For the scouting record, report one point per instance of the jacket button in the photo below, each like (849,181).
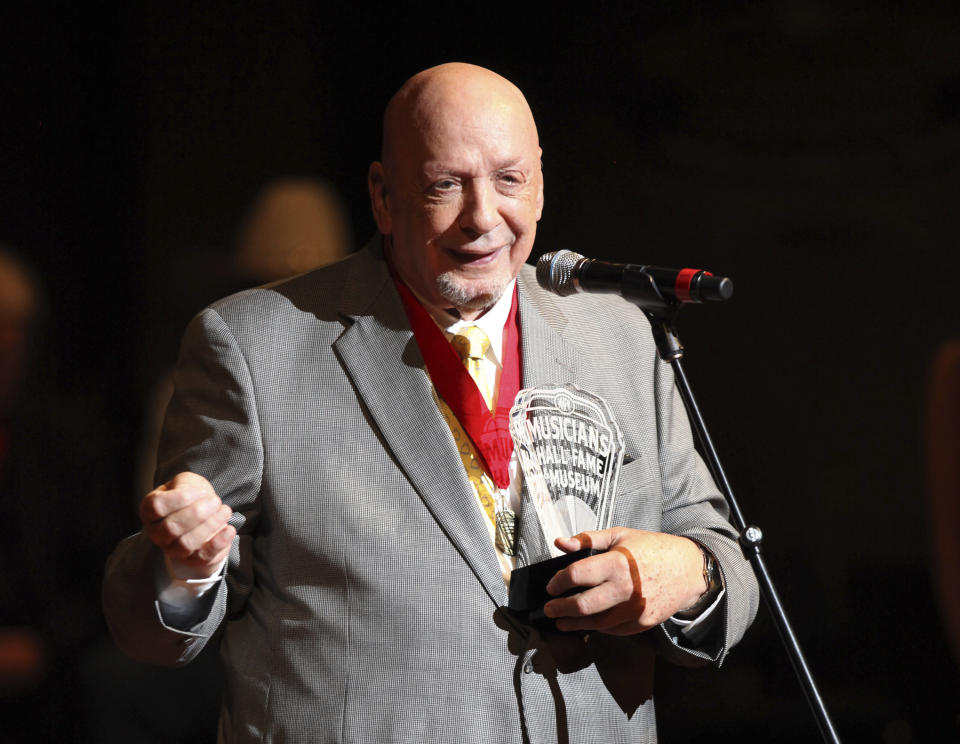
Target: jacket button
(527,668)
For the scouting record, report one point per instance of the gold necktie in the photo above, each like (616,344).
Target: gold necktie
(471,343)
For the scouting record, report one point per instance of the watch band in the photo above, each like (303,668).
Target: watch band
(711,575)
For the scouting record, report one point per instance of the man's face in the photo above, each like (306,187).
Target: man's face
(463,194)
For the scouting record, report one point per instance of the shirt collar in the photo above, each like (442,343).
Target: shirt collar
(491,322)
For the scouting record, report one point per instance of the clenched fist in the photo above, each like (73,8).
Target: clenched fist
(187,521)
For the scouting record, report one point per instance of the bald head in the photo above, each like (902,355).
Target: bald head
(459,189)
(453,92)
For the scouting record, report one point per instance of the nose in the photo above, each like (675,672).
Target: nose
(480,213)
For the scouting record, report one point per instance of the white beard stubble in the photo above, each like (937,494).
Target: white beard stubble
(473,295)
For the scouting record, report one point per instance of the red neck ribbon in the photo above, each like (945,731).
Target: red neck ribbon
(490,432)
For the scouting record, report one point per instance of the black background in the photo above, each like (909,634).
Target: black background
(807,149)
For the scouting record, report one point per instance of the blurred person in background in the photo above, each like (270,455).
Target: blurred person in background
(293,225)
(943,471)
(56,529)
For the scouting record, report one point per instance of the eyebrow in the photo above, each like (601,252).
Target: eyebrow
(432,168)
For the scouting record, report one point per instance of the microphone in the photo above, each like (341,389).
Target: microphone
(566,273)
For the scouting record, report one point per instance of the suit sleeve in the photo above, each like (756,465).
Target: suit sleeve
(211,428)
(694,507)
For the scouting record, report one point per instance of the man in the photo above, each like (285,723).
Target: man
(363,593)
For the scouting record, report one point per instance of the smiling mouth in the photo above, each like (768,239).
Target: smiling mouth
(476,258)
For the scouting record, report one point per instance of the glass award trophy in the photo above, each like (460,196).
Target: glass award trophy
(570,450)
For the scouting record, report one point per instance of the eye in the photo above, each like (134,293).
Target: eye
(510,179)
(444,185)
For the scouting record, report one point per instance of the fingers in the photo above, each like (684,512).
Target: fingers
(623,619)
(590,602)
(187,520)
(586,572)
(612,601)
(177,493)
(181,524)
(202,563)
(606,578)
(642,579)
(220,544)
(191,541)
(212,551)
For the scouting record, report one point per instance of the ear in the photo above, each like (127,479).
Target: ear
(376,185)
(539,201)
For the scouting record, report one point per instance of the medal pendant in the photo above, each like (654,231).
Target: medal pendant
(506,531)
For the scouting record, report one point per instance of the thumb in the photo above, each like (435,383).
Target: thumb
(187,480)
(596,539)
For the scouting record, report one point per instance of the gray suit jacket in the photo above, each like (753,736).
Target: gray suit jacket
(363,599)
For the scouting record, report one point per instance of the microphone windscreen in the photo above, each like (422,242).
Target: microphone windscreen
(556,272)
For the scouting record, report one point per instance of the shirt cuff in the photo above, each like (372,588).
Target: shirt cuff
(174,592)
(695,629)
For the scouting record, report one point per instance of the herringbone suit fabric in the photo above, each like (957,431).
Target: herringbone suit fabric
(362,595)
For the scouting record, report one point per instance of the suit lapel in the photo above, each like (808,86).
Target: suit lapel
(547,358)
(384,363)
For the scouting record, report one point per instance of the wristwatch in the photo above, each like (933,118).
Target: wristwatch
(711,575)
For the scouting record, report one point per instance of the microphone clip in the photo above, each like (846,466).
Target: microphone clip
(640,288)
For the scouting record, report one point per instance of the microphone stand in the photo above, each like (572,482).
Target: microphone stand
(641,289)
